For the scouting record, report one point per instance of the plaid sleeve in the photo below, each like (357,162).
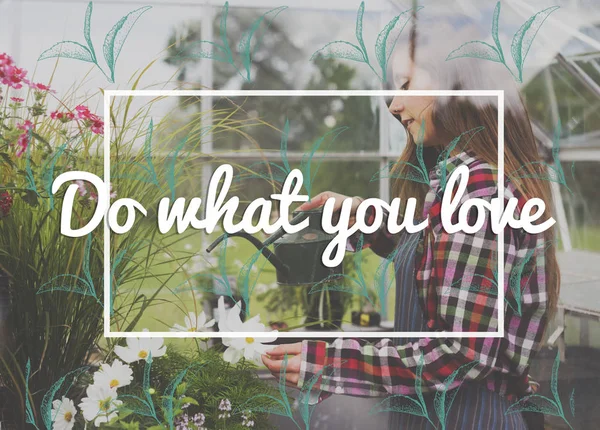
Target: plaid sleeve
(381,242)
(456,283)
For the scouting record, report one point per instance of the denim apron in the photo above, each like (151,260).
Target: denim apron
(474,407)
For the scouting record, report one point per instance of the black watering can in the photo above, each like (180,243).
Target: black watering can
(297,256)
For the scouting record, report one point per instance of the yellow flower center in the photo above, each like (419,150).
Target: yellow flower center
(104,405)
(114,383)
(249,340)
(143,354)
(192,329)
(68,417)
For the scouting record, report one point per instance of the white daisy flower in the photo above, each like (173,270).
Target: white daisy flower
(249,347)
(100,405)
(194,322)
(113,376)
(141,348)
(63,414)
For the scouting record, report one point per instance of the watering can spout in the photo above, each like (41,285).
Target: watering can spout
(266,252)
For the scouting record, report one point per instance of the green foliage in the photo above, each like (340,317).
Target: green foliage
(544,171)
(384,46)
(541,404)
(222,51)
(113,42)
(520,45)
(442,401)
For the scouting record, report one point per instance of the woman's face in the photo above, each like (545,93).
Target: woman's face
(414,111)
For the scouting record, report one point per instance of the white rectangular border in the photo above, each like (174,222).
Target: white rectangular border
(285,93)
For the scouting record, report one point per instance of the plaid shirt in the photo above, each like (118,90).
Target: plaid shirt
(455,276)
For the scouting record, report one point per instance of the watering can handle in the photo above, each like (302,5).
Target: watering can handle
(279,233)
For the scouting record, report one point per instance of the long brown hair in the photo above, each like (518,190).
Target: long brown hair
(455,115)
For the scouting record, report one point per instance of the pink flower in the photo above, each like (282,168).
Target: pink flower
(24,138)
(94,195)
(97,127)
(93,121)
(6,201)
(17,99)
(82,188)
(83,112)
(12,76)
(40,87)
(62,116)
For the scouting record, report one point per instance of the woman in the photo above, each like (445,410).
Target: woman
(445,282)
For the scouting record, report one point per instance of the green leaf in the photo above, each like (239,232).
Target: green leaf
(476,49)
(359,30)
(572,402)
(523,38)
(495,31)
(283,147)
(68,49)
(201,50)
(254,405)
(46,406)
(116,37)
(388,37)
(245,48)
(401,404)
(445,154)
(87,25)
(29,417)
(341,49)
(444,398)
(223,32)
(534,403)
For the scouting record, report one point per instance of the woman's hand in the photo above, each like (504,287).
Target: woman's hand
(320,199)
(274,362)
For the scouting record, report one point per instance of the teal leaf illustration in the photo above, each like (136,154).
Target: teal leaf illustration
(540,404)
(68,49)
(309,169)
(382,283)
(523,38)
(171,161)
(137,405)
(406,170)
(87,30)
(307,159)
(168,399)
(46,406)
(223,32)
(74,283)
(341,49)
(544,171)
(444,398)
(29,417)
(534,403)
(113,42)
(445,154)
(116,37)
(219,285)
(28,171)
(384,46)
(245,284)
(138,171)
(520,45)
(495,31)
(407,404)
(273,405)
(306,409)
(48,172)
(572,402)
(388,37)
(245,43)
(476,49)
(359,30)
